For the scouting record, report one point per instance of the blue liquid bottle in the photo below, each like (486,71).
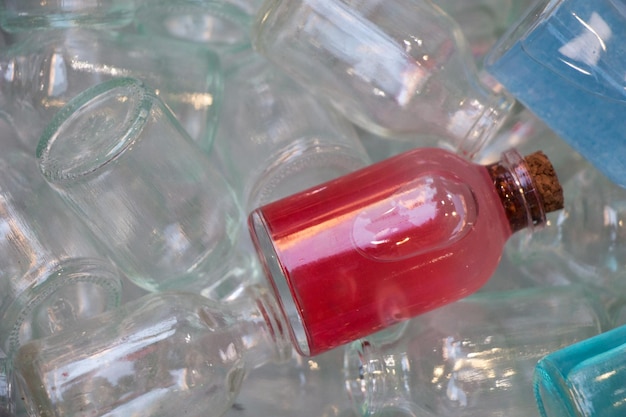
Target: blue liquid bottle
(586,379)
(566,62)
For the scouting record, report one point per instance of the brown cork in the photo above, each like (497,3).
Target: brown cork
(545,180)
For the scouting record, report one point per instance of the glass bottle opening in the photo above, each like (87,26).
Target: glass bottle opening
(93,129)
(76,289)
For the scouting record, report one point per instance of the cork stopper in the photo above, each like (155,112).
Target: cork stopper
(546,181)
(528,188)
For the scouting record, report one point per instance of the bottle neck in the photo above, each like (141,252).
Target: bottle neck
(372,378)
(271,341)
(518,193)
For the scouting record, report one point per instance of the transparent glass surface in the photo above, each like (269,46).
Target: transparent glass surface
(122,161)
(163,354)
(395,68)
(565,62)
(43,71)
(222,26)
(28,15)
(585,379)
(483,22)
(585,242)
(52,273)
(276,139)
(303,387)
(474,357)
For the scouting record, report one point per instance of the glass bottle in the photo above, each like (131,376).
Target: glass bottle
(123,163)
(52,272)
(398,69)
(276,139)
(42,72)
(27,15)
(483,22)
(583,243)
(565,62)
(166,354)
(396,239)
(475,357)
(586,379)
(222,26)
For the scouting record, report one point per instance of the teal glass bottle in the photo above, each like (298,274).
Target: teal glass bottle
(586,379)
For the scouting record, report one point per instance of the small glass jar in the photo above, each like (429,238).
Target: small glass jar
(119,157)
(398,69)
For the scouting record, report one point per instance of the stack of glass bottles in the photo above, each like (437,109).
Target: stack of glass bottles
(314,208)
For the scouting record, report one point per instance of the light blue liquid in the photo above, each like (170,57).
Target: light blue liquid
(585,379)
(568,66)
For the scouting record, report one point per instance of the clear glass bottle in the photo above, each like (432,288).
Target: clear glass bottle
(483,22)
(222,26)
(396,239)
(27,15)
(164,354)
(164,212)
(585,242)
(565,62)
(475,357)
(43,71)
(399,69)
(586,379)
(276,139)
(52,271)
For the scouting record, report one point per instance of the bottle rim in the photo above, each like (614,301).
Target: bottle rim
(58,150)
(67,273)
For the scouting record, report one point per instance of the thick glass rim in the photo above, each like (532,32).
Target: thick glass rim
(133,125)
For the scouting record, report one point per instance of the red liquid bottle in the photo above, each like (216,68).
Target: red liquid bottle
(386,243)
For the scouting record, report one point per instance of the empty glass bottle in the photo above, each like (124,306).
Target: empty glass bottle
(396,68)
(276,139)
(484,21)
(122,161)
(161,355)
(44,71)
(28,15)
(585,242)
(475,357)
(220,25)
(51,271)
(388,242)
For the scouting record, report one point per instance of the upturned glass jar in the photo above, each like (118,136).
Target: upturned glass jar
(122,161)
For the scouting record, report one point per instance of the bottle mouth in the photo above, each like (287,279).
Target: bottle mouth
(74,290)
(93,129)
(493,116)
(527,191)
(276,276)
(363,376)
(551,393)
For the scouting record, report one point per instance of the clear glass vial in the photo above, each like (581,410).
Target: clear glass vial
(164,354)
(396,68)
(475,357)
(276,139)
(122,161)
(44,70)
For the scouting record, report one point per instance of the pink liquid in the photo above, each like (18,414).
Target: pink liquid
(386,243)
